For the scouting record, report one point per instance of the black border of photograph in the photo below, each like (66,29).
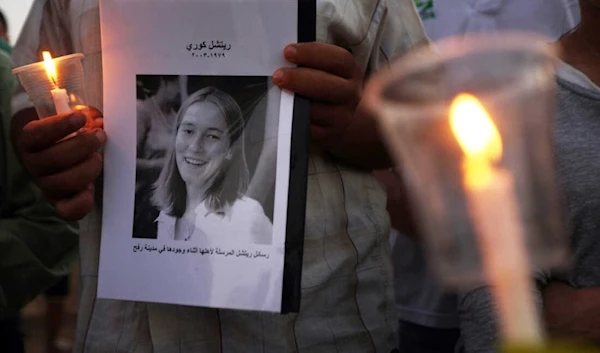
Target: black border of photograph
(294,244)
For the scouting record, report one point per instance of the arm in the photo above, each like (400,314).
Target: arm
(361,144)
(478,318)
(398,205)
(572,313)
(64,170)
(36,250)
(36,247)
(478,324)
(333,78)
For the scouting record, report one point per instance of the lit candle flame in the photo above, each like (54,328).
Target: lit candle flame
(478,137)
(50,67)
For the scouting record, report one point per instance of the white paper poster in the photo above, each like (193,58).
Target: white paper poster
(198,135)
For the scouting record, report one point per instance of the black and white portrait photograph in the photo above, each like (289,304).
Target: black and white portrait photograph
(204,186)
(206,158)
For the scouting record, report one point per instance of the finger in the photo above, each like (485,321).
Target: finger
(76,207)
(94,113)
(65,154)
(330,115)
(22,118)
(73,180)
(324,57)
(323,136)
(317,85)
(98,123)
(39,134)
(318,133)
(92,125)
(94,116)
(89,111)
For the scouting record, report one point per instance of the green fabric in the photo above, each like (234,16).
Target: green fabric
(36,247)
(426,9)
(4,46)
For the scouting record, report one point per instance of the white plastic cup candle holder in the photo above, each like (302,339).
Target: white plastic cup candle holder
(469,123)
(61,94)
(513,76)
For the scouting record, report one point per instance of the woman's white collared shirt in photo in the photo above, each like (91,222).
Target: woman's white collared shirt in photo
(244,222)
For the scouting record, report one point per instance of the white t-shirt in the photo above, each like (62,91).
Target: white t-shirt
(244,222)
(573,75)
(420,297)
(552,18)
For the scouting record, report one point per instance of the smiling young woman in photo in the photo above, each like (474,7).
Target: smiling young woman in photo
(201,189)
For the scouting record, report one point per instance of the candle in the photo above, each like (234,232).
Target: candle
(59,95)
(493,209)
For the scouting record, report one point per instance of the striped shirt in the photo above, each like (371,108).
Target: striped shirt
(347,289)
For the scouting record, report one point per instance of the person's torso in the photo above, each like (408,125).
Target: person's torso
(347,295)
(578,171)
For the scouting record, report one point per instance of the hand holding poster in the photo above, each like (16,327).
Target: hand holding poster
(205,168)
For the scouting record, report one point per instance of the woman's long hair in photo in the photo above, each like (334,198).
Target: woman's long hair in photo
(233,177)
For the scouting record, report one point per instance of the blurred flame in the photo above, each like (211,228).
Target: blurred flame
(478,137)
(50,67)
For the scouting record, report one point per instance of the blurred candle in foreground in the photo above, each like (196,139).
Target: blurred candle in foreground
(59,95)
(493,210)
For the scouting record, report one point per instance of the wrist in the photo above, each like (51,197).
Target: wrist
(18,122)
